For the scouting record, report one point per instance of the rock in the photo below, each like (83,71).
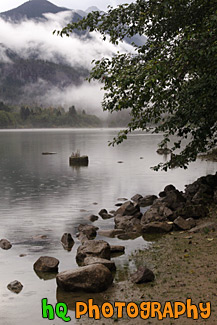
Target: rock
(107,216)
(67,241)
(117,248)
(156,227)
(147,200)
(5,244)
(169,188)
(157,212)
(190,210)
(87,231)
(102,211)
(208,226)
(142,275)
(128,208)
(118,204)
(90,278)
(215,197)
(111,233)
(46,264)
(173,199)
(97,260)
(93,217)
(136,198)
(22,255)
(128,223)
(164,151)
(15,286)
(93,248)
(122,199)
(184,224)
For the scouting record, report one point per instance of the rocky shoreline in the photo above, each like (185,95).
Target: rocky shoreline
(172,212)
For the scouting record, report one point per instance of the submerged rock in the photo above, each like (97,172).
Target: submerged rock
(90,278)
(46,264)
(15,286)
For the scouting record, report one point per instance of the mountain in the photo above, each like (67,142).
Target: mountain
(32,9)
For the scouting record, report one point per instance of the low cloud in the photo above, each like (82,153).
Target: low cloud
(35,39)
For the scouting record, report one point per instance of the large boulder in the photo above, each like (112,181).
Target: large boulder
(156,228)
(46,264)
(91,278)
(93,248)
(5,244)
(97,260)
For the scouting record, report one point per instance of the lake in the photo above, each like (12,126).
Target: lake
(41,195)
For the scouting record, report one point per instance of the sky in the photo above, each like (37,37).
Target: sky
(71,4)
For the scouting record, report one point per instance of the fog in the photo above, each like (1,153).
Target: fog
(35,39)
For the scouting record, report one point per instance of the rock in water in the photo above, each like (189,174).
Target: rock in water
(94,248)
(46,264)
(142,275)
(5,244)
(91,278)
(15,286)
(67,240)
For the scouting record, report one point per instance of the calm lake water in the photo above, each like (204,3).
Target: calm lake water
(43,195)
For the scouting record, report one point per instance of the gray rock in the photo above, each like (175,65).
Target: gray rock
(90,278)
(142,275)
(156,228)
(67,240)
(46,264)
(5,244)
(93,248)
(97,260)
(15,286)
